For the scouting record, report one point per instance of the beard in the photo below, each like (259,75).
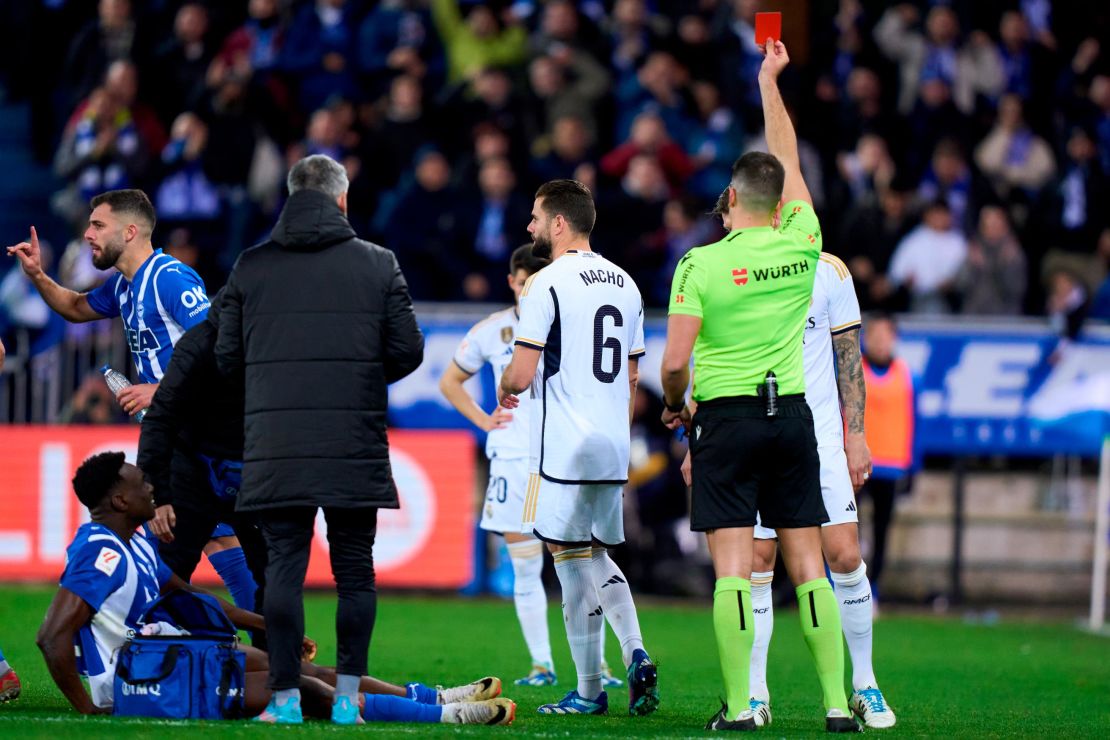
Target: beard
(541,246)
(109,254)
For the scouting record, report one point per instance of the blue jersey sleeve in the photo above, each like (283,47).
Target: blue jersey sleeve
(182,295)
(103,299)
(95,572)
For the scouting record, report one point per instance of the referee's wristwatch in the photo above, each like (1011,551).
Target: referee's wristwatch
(676,408)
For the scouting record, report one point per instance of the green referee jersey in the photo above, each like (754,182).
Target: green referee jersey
(751,290)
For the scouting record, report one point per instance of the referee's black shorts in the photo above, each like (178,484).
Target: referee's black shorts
(744,460)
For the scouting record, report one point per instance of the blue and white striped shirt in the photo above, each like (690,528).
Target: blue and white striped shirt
(118,581)
(164,300)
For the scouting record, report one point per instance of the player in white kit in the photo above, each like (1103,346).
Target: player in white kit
(835,394)
(491,341)
(583,316)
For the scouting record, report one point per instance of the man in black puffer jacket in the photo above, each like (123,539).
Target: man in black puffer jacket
(319,322)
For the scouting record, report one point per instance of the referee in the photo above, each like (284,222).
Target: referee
(740,306)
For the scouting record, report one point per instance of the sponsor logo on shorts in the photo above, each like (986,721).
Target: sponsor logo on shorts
(851,506)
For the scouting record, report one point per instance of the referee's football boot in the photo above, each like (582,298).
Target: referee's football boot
(573,703)
(720,721)
(839,721)
(541,675)
(643,685)
(288,713)
(761,710)
(870,706)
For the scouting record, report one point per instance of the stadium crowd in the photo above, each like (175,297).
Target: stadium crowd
(957,151)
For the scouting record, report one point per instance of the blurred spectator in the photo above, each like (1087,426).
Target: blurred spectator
(1073,212)
(494,225)
(971,71)
(563,29)
(570,149)
(567,83)
(734,31)
(685,226)
(927,262)
(634,32)
(21,307)
(256,45)
(108,38)
(949,179)
(934,119)
(630,214)
(474,39)
(871,230)
(649,138)
(714,144)
(1100,304)
(420,221)
(320,52)
(866,170)
(993,277)
(1100,99)
(101,152)
(121,82)
(658,87)
(397,38)
(863,110)
(93,403)
(182,62)
(1067,302)
(694,49)
(890,431)
(1012,156)
(489,142)
(489,98)
(404,125)
(1026,65)
(186,197)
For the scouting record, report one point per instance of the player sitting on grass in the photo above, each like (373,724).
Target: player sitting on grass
(112,575)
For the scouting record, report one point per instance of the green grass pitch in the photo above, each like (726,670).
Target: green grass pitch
(943,677)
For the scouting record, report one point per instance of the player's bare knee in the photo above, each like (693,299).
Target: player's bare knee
(764,555)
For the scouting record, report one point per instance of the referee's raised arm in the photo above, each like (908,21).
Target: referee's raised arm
(782,142)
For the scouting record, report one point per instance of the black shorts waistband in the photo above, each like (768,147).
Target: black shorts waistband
(790,399)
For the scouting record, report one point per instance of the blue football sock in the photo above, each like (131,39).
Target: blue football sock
(232,567)
(384,708)
(422,694)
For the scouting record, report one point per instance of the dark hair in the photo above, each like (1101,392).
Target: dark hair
(572,200)
(129,202)
(758,179)
(523,259)
(879,316)
(721,207)
(96,477)
(937,204)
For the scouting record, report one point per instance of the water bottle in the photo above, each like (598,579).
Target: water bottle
(771,394)
(117,381)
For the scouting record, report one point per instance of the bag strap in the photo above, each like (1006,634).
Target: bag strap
(169,662)
(231,707)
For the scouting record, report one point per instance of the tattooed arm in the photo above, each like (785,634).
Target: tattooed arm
(853,395)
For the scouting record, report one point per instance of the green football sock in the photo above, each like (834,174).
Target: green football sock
(820,619)
(735,630)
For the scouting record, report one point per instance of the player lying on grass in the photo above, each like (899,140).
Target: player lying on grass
(112,575)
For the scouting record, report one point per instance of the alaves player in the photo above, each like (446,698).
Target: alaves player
(113,574)
(159,299)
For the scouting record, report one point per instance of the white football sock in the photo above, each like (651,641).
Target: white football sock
(763,612)
(530,598)
(616,601)
(853,593)
(582,615)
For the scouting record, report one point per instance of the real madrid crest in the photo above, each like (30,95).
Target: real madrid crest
(139,310)
(506,334)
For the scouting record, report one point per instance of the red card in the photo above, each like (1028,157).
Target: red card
(767,25)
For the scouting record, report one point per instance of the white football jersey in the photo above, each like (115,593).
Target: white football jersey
(587,317)
(833,309)
(491,340)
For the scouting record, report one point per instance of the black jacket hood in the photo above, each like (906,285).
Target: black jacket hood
(311,221)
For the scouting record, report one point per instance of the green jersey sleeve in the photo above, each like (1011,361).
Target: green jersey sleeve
(799,220)
(688,286)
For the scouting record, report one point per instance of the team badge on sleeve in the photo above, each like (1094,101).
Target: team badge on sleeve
(107,561)
(506,334)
